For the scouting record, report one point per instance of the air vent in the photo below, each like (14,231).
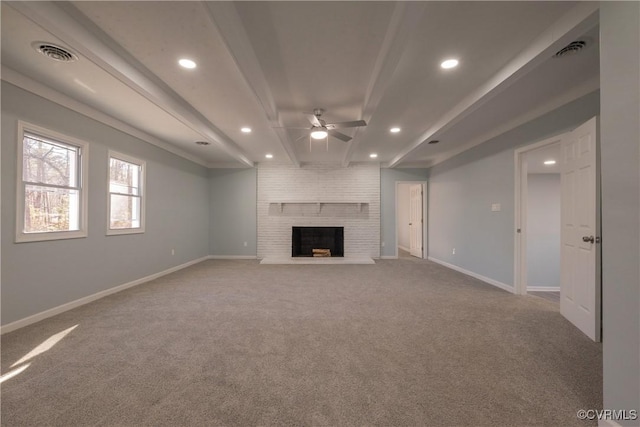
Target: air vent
(203,143)
(571,49)
(57,53)
(433,141)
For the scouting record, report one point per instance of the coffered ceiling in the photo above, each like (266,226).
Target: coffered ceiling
(263,65)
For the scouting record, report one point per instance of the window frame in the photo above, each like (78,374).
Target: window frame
(82,185)
(142,196)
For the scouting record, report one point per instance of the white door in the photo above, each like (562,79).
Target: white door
(415,220)
(580,281)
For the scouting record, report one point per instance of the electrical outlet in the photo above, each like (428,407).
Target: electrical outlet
(173,251)
(453,252)
(245,243)
(382,244)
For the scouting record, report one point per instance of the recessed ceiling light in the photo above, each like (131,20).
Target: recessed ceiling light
(549,162)
(449,63)
(187,63)
(203,143)
(319,134)
(373,155)
(394,130)
(246,130)
(269,156)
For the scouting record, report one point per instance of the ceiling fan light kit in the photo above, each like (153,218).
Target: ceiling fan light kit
(319,134)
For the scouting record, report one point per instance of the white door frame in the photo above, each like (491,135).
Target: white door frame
(520,235)
(425,197)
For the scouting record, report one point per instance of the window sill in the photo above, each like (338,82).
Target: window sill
(43,237)
(120,232)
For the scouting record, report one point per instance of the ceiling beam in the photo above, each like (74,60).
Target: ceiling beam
(574,23)
(30,85)
(554,103)
(405,18)
(65,22)
(225,18)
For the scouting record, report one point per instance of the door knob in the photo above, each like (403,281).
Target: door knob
(589,239)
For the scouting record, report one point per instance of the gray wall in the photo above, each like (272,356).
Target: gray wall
(620,158)
(460,216)
(388,179)
(543,230)
(233,212)
(462,190)
(37,276)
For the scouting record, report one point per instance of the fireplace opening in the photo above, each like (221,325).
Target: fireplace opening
(317,242)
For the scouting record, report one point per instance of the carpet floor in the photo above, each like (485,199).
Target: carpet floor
(400,343)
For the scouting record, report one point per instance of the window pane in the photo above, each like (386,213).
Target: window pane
(125,212)
(48,162)
(124,177)
(49,209)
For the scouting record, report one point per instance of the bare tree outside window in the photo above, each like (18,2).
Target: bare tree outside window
(51,185)
(125,198)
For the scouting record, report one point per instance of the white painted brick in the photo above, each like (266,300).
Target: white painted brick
(359,183)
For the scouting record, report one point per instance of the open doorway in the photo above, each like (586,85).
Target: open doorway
(411,224)
(543,196)
(538,220)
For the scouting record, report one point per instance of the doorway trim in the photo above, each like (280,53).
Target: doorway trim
(425,215)
(520,212)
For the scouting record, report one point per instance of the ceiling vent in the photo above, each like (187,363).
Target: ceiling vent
(203,143)
(57,53)
(572,48)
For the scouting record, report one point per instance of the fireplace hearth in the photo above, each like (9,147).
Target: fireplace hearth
(317,241)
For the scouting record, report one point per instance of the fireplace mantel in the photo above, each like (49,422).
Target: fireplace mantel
(319,205)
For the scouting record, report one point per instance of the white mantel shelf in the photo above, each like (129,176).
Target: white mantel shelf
(319,205)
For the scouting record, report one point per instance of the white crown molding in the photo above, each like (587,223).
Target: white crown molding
(228,165)
(575,22)
(13,77)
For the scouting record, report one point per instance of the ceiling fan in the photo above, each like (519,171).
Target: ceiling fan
(320,128)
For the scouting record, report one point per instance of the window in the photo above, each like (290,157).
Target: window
(52,178)
(126,194)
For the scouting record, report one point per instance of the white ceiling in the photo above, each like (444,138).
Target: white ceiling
(263,64)
(536,158)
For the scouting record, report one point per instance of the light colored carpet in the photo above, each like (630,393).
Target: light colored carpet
(403,342)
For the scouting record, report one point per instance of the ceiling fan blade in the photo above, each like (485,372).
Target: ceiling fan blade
(289,127)
(341,136)
(353,124)
(313,119)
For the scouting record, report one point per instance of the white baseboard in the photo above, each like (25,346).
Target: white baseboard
(232,257)
(388,257)
(543,289)
(488,280)
(85,300)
